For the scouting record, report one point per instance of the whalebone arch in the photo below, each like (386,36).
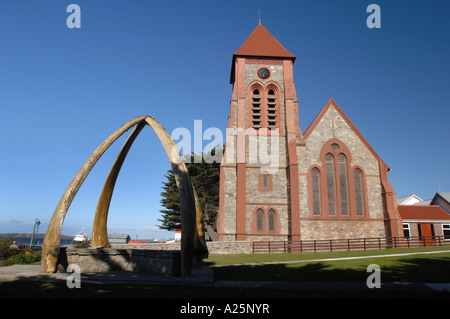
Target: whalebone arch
(192,236)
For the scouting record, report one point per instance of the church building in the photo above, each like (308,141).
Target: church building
(279,183)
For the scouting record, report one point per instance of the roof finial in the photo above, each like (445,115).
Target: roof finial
(259,15)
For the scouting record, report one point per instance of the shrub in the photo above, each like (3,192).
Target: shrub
(83,244)
(6,262)
(26,257)
(18,259)
(5,248)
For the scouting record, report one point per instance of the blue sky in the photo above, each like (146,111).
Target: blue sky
(63,91)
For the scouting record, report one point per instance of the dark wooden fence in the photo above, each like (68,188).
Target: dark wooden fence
(347,244)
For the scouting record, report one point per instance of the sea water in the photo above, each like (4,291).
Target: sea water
(37,241)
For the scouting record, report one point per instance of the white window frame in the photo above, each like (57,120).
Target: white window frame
(408,228)
(446,228)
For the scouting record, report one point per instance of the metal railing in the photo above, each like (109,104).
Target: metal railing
(347,244)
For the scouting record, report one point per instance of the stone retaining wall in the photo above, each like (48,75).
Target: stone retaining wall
(158,259)
(229,247)
(158,262)
(214,247)
(156,246)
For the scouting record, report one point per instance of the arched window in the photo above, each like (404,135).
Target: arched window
(259,220)
(343,188)
(271,110)
(256,110)
(271,220)
(265,181)
(346,193)
(329,165)
(359,191)
(315,176)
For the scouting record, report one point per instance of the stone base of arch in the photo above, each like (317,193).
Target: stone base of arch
(103,259)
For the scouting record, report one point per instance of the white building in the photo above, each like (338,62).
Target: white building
(409,200)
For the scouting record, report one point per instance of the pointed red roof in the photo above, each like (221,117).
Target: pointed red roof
(262,43)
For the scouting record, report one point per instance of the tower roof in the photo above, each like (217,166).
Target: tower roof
(262,43)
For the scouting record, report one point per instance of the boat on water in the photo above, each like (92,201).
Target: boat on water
(81,237)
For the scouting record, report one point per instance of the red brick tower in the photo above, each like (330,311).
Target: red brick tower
(259,195)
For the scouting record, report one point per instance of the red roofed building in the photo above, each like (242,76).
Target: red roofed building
(424,220)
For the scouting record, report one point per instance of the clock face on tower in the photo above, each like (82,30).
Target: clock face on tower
(263,73)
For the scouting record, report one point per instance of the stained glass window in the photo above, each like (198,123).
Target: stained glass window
(329,161)
(343,189)
(271,220)
(265,183)
(315,175)
(259,220)
(359,192)
(335,147)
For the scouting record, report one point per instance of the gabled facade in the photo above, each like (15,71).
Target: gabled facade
(278,183)
(409,200)
(443,200)
(344,187)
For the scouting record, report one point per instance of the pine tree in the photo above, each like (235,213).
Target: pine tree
(171,216)
(204,172)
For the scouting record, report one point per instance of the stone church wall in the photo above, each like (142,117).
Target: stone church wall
(272,160)
(229,208)
(276,73)
(341,229)
(333,125)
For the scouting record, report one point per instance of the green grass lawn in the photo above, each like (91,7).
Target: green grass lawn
(229,259)
(413,268)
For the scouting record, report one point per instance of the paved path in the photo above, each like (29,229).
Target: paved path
(202,276)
